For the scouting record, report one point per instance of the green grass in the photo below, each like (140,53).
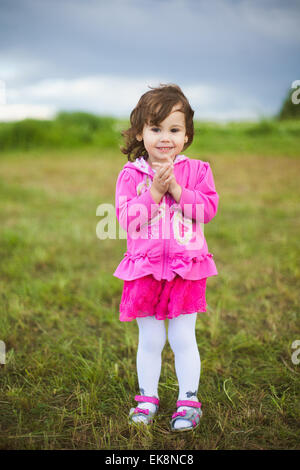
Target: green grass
(70,377)
(79,129)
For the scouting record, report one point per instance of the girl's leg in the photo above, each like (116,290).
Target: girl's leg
(182,339)
(152,338)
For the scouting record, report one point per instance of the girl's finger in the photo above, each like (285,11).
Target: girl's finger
(164,178)
(167,179)
(162,163)
(166,169)
(168,172)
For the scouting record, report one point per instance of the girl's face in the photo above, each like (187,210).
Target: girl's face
(166,140)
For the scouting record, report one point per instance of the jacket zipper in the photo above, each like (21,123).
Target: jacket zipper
(165,242)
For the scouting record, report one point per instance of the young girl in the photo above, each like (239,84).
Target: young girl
(163,198)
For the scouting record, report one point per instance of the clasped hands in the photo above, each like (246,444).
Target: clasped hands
(164,179)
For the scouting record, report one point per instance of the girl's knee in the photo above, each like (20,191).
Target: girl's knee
(153,342)
(181,337)
(178,342)
(183,345)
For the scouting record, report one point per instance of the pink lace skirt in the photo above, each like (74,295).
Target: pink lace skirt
(163,299)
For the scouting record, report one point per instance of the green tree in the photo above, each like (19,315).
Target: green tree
(290,110)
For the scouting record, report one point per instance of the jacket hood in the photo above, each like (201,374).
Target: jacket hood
(143,166)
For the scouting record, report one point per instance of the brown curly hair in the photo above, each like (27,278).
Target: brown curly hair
(153,107)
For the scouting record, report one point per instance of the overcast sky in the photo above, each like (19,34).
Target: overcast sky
(234,59)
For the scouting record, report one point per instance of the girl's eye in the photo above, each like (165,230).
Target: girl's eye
(156,129)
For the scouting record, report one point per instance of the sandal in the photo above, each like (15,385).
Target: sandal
(146,413)
(192,415)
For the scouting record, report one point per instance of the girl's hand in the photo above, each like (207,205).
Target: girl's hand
(163,176)
(165,172)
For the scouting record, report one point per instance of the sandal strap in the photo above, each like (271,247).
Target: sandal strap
(182,414)
(145,399)
(191,415)
(192,404)
(149,415)
(141,410)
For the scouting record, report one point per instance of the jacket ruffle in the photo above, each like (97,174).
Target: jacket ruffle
(188,267)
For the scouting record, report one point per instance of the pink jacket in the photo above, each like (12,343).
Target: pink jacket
(166,239)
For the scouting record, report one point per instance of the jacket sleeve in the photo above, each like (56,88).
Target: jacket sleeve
(129,206)
(203,194)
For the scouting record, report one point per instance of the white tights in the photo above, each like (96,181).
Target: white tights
(182,339)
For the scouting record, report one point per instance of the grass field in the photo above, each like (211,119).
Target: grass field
(70,378)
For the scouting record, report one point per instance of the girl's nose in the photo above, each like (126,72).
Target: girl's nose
(165,138)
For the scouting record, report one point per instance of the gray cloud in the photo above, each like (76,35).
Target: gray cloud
(247,47)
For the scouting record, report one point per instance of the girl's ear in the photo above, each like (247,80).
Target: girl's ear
(139,138)
(186,139)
